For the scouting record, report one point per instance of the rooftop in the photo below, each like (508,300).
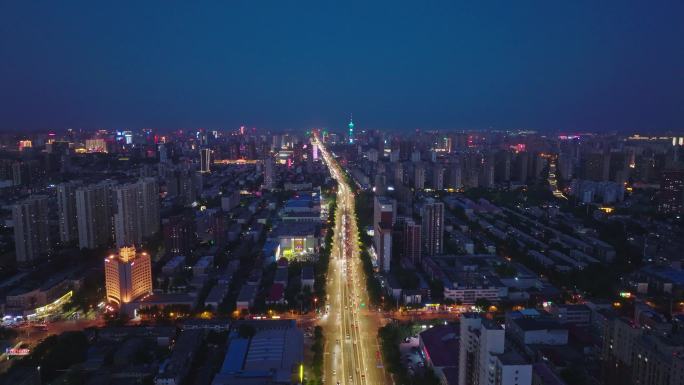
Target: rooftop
(296,229)
(276,292)
(270,356)
(441,345)
(528,324)
(512,358)
(307,272)
(547,375)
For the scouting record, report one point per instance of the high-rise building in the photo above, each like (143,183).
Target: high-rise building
(384,215)
(419,177)
(520,167)
(482,356)
(94,215)
(502,166)
(454,180)
(128,276)
(438,177)
(671,194)
(179,235)
(27,172)
(636,354)
(96,145)
(432,215)
(565,166)
(163,153)
(398,174)
(66,204)
(137,211)
(486,178)
(269,173)
(446,144)
(57,147)
(127,221)
(183,185)
(149,197)
(31,228)
(412,241)
(596,166)
(205,160)
(384,210)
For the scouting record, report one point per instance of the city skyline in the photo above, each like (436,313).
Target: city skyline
(343,193)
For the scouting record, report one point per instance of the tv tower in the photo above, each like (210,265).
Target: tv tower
(351,129)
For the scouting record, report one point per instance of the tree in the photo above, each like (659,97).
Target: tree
(437,289)
(483,303)
(504,270)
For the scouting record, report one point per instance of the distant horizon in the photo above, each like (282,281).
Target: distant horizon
(343,130)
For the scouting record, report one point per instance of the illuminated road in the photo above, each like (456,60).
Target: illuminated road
(351,354)
(553,181)
(31,336)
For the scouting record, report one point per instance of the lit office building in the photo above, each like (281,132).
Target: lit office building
(128,276)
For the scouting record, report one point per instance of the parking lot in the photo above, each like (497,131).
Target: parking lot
(411,356)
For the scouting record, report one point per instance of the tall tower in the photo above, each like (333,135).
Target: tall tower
(351,129)
(31,228)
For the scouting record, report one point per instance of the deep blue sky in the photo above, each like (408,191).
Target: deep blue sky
(547,64)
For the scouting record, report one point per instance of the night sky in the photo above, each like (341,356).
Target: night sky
(549,65)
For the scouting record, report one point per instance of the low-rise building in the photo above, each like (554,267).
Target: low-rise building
(272,355)
(308,278)
(203,266)
(216,295)
(174,370)
(579,314)
(536,331)
(484,358)
(174,265)
(298,240)
(276,295)
(440,346)
(475,287)
(245,298)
